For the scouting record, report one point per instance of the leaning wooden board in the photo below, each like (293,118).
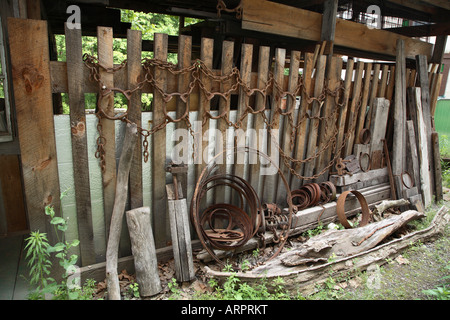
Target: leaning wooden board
(28,43)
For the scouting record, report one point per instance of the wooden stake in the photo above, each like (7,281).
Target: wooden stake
(121,194)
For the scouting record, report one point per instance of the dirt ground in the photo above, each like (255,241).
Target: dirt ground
(420,267)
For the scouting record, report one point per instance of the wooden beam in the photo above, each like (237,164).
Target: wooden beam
(159,203)
(275,18)
(329,25)
(28,42)
(106,103)
(82,190)
(134,50)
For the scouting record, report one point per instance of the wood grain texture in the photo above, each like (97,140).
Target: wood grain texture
(34,112)
(75,67)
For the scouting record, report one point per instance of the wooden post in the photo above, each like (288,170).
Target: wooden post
(28,43)
(258,122)
(106,103)
(158,151)
(273,140)
(352,114)
(328,127)
(378,131)
(413,165)
(422,72)
(365,98)
(399,118)
(222,126)
(144,252)
(423,143)
(75,67)
(134,50)
(287,129)
(329,25)
(121,193)
(343,113)
(437,166)
(303,120)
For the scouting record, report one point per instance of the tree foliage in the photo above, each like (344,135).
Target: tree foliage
(148,24)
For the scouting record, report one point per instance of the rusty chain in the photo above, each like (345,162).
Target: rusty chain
(198,71)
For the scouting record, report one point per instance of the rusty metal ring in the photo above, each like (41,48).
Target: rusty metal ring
(410,179)
(369,160)
(365,136)
(340,209)
(328,192)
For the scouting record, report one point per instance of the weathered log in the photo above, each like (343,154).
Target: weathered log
(144,251)
(344,243)
(387,204)
(304,279)
(112,248)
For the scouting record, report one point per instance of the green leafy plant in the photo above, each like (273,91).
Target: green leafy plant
(40,253)
(133,289)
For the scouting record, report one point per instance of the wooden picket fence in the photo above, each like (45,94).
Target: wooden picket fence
(348,110)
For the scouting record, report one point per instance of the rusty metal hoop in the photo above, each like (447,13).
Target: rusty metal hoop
(340,209)
(199,193)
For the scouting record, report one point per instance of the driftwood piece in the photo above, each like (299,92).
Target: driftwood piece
(144,251)
(112,248)
(304,279)
(348,242)
(387,204)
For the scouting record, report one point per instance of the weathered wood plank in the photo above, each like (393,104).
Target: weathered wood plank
(353,112)
(330,107)
(373,95)
(399,118)
(28,43)
(423,80)
(364,99)
(181,239)
(106,103)
(222,125)
(184,61)
(241,157)
(303,121)
(437,166)
(423,143)
(315,112)
(378,131)
(79,145)
(121,193)
(273,141)
(134,54)
(206,55)
(258,121)
(343,114)
(158,152)
(275,18)
(413,165)
(287,128)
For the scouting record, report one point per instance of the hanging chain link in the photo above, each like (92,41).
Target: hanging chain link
(198,71)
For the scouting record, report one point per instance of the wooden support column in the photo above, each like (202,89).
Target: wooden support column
(159,203)
(206,55)
(75,67)
(106,103)
(329,25)
(422,72)
(134,50)
(28,42)
(398,151)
